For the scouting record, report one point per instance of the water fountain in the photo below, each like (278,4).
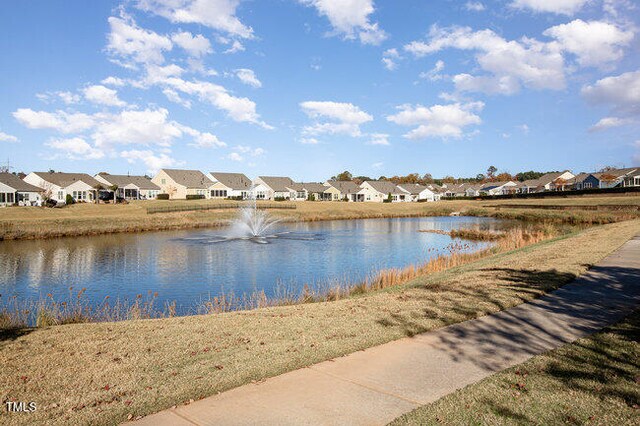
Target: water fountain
(252,223)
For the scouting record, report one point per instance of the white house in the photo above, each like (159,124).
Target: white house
(57,185)
(379,190)
(14,190)
(315,189)
(229,185)
(180,183)
(129,187)
(498,188)
(273,187)
(419,192)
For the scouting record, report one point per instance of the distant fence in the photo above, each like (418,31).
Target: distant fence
(633,190)
(216,206)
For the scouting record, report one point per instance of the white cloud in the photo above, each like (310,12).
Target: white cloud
(127,40)
(76,149)
(434,73)
(152,161)
(102,95)
(234,156)
(474,6)
(621,93)
(609,123)
(207,140)
(342,118)
(444,121)
(68,98)
(595,43)
(524,128)
(197,45)
(236,46)
(254,152)
(145,127)
(239,109)
(5,137)
(113,81)
(219,15)
(389,59)
(248,77)
(510,64)
(379,139)
(350,19)
(175,97)
(377,166)
(60,121)
(309,141)
(563,7)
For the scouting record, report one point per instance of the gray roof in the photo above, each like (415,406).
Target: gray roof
(412,188)
(493,185)
(65,179)
(344,186)
(277,183)
(189,178)
(18,184)
(235,181)
(550,177)
(616,172)
(141,182)
(385,187)
(314,187)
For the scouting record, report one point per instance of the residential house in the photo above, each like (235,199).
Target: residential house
(296,192)
(14,190)
(379,191)
(315,190)
(419,192)
(308,190)
(632,179)
(273,187)
(338,190)
(57,185)
(609,179)
(229,185)
(577,182)
(498,188)
(129,187)
(180,183)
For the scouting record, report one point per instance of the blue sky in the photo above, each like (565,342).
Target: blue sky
(308,88)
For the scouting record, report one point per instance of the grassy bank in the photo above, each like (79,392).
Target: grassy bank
(106,372)
(592,381)
(93,219)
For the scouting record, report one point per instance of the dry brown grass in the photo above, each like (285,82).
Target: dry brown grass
(93,219)
(102,373)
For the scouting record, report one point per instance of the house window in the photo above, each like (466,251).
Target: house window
(219,193)
(301,194)
(163,181)
(3,197)
(60,195)
(587,185)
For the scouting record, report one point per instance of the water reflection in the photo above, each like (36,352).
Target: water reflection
(187,266)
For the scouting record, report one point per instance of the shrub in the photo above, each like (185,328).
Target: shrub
(162,197)
(312,197)
(195,197)
(279,199)
(69,200)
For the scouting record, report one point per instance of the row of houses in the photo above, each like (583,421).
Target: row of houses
(35,187)
(558,181)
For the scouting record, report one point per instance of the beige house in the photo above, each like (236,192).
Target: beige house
(57,185)
(378,191)
(180,183)
(338,190)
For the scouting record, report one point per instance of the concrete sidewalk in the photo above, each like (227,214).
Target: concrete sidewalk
(374,386)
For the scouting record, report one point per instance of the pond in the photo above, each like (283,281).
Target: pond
(190,266)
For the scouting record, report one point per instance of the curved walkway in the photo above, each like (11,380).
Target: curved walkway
(374,386)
